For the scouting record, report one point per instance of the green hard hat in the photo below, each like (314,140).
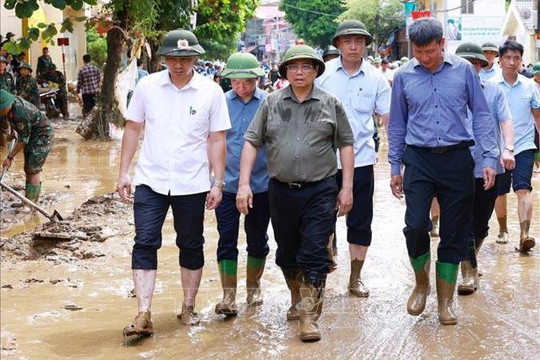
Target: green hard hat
(242,66)
(330,50)
(180,43)
(51,66)
(377,60)
(6,99)
(25,66)
(470,50)
(403,60)
(300,52)
(352,27)
(489,46)
(536,68)
(3,59)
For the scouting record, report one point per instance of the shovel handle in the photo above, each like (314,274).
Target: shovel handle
(28,202)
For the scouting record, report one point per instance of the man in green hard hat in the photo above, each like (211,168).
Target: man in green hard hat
(27,86)
(491,69)
(301,127)
(484,199)
(184,117)
(57,77)
(330,52)
(34,133)
(243,101)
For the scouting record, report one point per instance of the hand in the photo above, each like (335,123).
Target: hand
(489,177)
(244,199)
(507,160)
(344,202)
(396,184)
(124,187)
(213,199)
(6,163)
(13,135)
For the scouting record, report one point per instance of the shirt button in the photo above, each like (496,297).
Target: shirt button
(437,122)
(434,89)
(436,106)
(296,156)
(298,138)
(439,138)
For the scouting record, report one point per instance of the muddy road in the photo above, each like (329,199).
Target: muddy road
(70,296)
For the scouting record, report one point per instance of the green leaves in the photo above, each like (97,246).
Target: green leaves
(59,4)
(33,33)
(25,9)
(66,25)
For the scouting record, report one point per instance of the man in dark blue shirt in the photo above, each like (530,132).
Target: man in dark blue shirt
(430,133)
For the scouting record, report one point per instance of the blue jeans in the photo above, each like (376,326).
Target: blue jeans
(150,209)
(255,226)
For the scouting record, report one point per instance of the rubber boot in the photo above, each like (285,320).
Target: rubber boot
(356,287)
(227,274)
(417,301)
(31,192)
(293,279)
(446,284)
(254,272)
(526,242)
(478,245)
(312,298)
(469,273)
(332,252)
(142,325)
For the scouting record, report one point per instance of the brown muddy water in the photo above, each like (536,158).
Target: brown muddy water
(63,305)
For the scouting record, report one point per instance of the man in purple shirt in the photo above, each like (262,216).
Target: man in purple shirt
(430,133)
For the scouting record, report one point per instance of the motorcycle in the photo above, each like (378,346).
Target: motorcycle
(47,98)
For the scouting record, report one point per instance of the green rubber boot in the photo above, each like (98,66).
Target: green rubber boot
(254,272)
(446,285)
(227,273)
(417,301)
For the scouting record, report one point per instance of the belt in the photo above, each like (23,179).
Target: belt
(297,185)
(447,148)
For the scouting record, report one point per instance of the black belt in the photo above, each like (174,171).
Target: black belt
(447,148)
(297,185)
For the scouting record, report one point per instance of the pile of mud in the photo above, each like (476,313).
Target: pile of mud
(79,236)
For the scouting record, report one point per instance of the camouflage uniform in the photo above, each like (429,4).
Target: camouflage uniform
(28,90)
(44,61)
(61,96)
(7,83)
(33,129)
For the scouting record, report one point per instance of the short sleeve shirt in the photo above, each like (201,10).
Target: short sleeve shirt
(174,156)
(301,138)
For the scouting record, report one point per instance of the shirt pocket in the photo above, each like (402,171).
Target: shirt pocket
(364,102)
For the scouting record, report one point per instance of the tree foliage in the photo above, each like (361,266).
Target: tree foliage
(313,20)
(381,17)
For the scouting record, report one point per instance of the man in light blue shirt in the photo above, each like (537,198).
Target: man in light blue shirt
(491,51)
(243,101)
(363,92)
(430,133)
(484,200)
(524,102)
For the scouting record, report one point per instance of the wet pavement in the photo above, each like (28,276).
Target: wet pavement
(77,308)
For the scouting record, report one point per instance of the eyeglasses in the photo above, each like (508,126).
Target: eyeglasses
(303,68)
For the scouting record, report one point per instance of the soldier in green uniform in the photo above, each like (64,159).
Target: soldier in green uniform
(27,86)
(34,134)
(8,83)
(43,62)
(57,77)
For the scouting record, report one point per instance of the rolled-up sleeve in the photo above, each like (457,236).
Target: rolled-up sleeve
(397,125)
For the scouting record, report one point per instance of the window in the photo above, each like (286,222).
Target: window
(467,6)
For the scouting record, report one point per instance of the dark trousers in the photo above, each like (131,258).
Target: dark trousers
(150,210)
(303,220)
(255,226)
(89,101)
(484,203)
(360,217)
(449,177)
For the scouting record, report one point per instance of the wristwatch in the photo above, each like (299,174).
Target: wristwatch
(219,184)
(509,148)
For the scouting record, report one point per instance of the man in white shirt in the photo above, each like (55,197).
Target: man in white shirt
(184,116)
(386,72)
(363,92)
(491,51)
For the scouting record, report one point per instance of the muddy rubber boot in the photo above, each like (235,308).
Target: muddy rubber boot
(331,249)
(526,242)
(478,245)
(356,287)
(312,298)
(254,272)
(31,192)
(434,227)
(142,325)
(227,273)
(446,284)
(293,279)
(188,316)
(469,281)
(417,301)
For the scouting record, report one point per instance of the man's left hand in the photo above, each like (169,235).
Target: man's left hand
(213,199)
(489,177)
(344,202)
(507,160)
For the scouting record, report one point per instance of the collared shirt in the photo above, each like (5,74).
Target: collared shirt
(522,97)
(27,89)
(388,75)
(241,116)
(494,71)
(88,79)
(362,94)
(501,112)
(43,63)
(173,158)
(32,127)
(430,110)
(301,138)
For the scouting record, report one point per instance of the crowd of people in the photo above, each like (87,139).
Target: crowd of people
(460,130)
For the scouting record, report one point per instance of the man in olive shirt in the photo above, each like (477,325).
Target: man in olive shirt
(301,126)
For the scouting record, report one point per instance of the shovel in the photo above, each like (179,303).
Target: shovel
(10,149)
(55,215)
